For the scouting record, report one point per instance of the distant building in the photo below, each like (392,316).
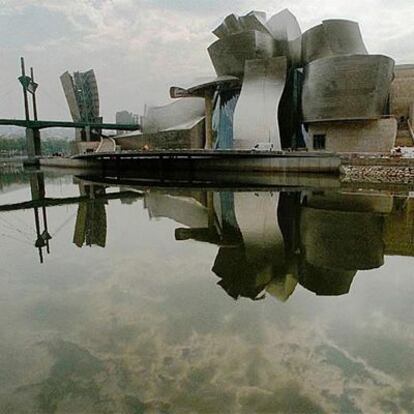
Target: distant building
(81,92)
(125,117)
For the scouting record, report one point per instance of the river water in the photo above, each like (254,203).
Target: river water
(195,300)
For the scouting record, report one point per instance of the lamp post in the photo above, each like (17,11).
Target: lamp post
(34,87)
(24,80)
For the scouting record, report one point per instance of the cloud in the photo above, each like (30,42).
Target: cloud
(139,48)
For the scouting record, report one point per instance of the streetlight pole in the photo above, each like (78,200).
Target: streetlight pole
(26,102)
(34,96)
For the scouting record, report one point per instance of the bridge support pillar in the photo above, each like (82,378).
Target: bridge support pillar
(33,145)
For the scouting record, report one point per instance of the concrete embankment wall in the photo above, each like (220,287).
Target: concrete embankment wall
(322,164)
(178,161)
(378,169)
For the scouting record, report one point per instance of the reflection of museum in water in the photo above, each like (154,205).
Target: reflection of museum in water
(268,242)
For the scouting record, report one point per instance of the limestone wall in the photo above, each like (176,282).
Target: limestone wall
(355,136)
(402,91)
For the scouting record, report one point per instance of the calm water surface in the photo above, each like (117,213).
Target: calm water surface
(194,301)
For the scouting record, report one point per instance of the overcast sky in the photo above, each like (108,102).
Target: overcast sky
(139,48)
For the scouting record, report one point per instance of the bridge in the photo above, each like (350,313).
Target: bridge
(33,127)
(35,124)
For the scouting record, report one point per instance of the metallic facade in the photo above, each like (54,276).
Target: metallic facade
(182,114)
(260,52)
(326,76)
(255,116)
(173,126)
(346,87)
(230,53)
(332,38)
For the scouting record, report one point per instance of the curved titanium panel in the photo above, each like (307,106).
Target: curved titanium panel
(332,38)
(255,117)
(183,111)
(232,24)
(286,31)
(221,31)
(199,88)
(230,53)
(255,20)
(284,26)
(402,91)
(346,87)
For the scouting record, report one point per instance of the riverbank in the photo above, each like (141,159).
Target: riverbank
(379,174)
(377,169)
(354,168)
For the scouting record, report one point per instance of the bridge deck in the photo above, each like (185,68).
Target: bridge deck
(67,124)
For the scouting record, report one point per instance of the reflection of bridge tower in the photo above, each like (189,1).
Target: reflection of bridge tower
(90,228)
(81,91)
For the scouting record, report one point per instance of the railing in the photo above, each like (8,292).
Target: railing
(67,124)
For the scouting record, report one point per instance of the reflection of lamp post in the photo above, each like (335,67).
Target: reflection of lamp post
(46,235)
(37,186)
(39,243)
